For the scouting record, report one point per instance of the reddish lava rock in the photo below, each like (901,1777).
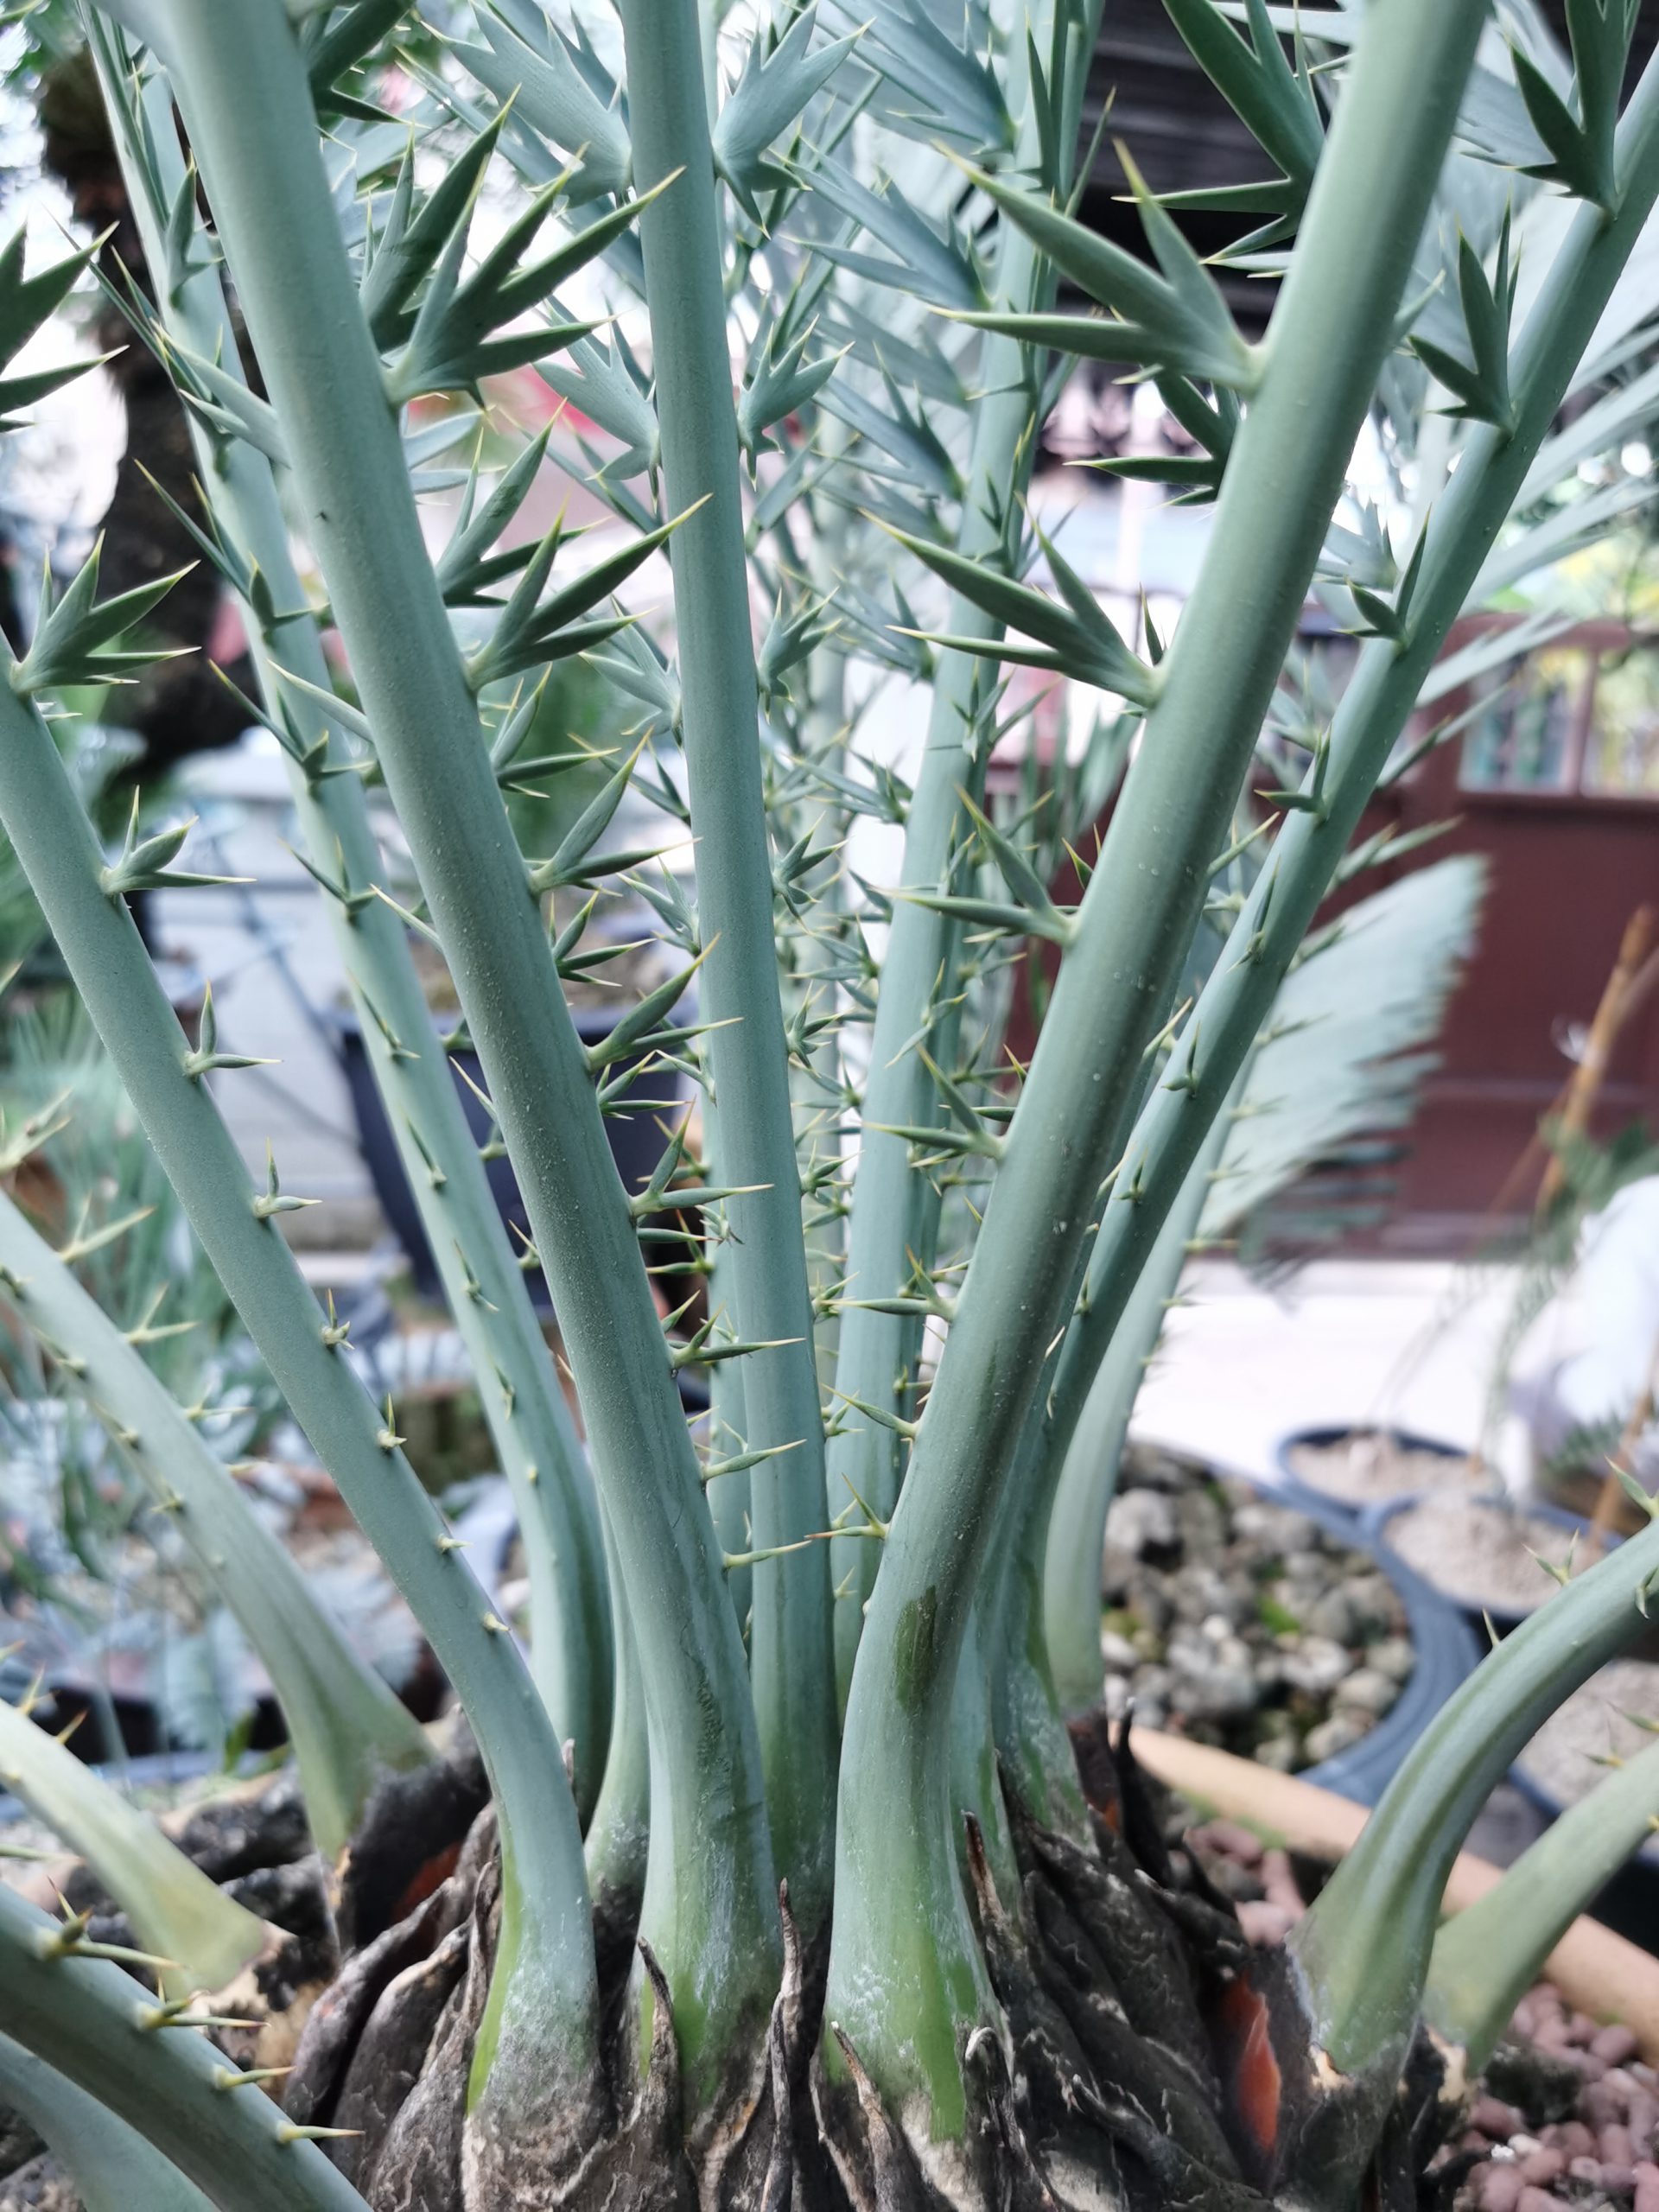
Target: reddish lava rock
(1569,2114)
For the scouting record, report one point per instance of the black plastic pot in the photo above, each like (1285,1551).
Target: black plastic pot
(1448,1653)
(637,1139)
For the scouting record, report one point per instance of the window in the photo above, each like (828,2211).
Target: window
(1573,718)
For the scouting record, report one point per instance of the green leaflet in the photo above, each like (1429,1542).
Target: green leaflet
(95,2025)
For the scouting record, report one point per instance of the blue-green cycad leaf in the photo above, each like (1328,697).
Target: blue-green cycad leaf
(26,303)
(551,83)
(425,445)
(1580,143)
(780,380)
(1075,638)
(902,434)
(1338,1060)
(598,379)
(1489,652)
(1275,100)
(533,630)
(222,403)
(1170,317)
(1479,384)
(1361,554)
(777,82)
(926,370)
(795,632)
(1563,531)
(1493,119)
(804,471)
(1601,427)
(933,268)
(406,248)
(114,2168)
(74,639)
(635,664)
(936,88)
(887,634)
(467,567)
(333,41)
(1195,478)
(450,343)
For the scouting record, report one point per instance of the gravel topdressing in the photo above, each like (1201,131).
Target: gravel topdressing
(1602,1716)
(1370,1467)
(1240,1623)
(1481,1553)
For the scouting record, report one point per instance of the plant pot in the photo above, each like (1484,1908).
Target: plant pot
(1595,1968)
(637,1139)
(1445,1650)
(1503,1612)
(1630,1902)
(1447,1654)
(1298,1486)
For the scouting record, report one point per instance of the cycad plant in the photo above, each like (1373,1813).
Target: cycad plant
(824,1909)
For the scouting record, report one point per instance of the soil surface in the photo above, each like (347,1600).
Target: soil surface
(1240,1623)
(1370,1467)
(1615,1711)
(1482,1553)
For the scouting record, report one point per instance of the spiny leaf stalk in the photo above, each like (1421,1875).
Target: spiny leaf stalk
(701,365)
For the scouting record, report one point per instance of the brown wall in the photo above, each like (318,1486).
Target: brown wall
(1566,872)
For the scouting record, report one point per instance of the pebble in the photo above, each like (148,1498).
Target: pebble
(1536,2199)
(1541,2168)
(1500,2189)
(1494,2117)
(1317,1666)
(1232,1837)
(1646,2178)
(1280,1883)
(1340,1733)
(1276,1528)
(1617,2046)
(1616,2148)
(1279,1752)
(1142,1521)
(1393,1657)
(1368,1690)
(1259,1621)
(1571,2136)
(1265,1924)
(1336,1616)
(1606,2100)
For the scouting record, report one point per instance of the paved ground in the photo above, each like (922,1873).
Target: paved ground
(1342,1342)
